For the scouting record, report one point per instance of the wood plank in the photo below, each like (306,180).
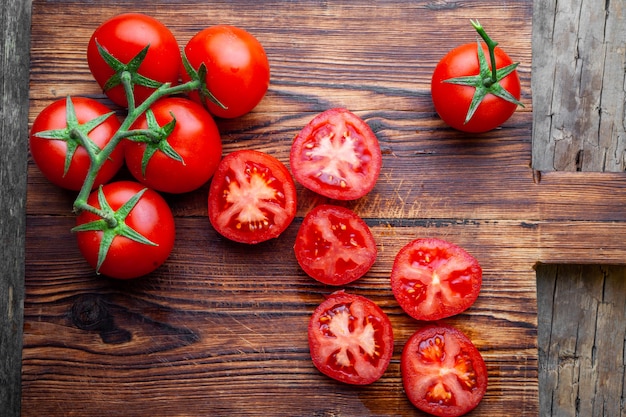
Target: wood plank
(579,56)
(14,46)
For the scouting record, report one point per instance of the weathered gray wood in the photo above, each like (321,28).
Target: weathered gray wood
(578,82)
(14,55)
(581,340)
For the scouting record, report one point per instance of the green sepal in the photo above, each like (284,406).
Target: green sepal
(155,138)
(113,224)
(132,68)
(74,134)
(200,76)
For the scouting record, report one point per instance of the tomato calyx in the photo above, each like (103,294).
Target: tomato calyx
(199,77)
(75,134)
(155,138)
(112,224)
(488,79)
(127,74)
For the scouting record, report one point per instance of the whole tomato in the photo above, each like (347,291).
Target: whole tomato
(123,37)
(177,159)
(238,71)
(58,152)
(139,238)
(468,95)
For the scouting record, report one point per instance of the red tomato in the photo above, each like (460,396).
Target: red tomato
(52,155)
(252,197)
(238,72)
(433,279)
(195,143)
(334,245)
(350,339)
(336,155)
(124,36)
(442,371)
(452,101)
(151,218)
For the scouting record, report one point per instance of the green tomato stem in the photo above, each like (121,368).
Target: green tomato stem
(491,45)
(99,156)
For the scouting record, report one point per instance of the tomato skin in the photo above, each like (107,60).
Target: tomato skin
(124,36)
(238,69)
(350,339)
(432,279)
(252,197)
(443,373)
(49,154)
(326,161)
(195,138)
(334,245)
(151,217)
(453,101)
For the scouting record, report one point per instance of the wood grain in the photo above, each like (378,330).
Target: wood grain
(578,81)
(14,40)
(220,329)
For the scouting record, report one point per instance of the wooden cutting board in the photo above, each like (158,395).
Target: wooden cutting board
(220,329)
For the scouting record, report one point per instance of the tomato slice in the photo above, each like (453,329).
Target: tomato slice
(443,373)
(252,197)
(334,245)
(350,339)
(336,155)
(433,279)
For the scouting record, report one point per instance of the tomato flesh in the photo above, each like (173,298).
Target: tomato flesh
(350,339)
(334,245)
(252,197)
(432,279)
(443,373)
(336,155)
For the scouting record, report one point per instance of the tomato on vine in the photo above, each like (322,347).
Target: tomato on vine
(63,135)
(137,46)
(178,147)
(127,231)
(236,70)
(471,94)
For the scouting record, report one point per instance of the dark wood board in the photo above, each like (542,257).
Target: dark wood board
(221,328)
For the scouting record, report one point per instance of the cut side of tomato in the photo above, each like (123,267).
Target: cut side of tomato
(443,373)
(350,339)
(252,197)
(433,279)
(334,245)
(336,155)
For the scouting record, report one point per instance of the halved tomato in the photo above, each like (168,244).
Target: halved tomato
(443,373)
(334,245)
(433,279)
(252,197)
(350,339)
(336,155)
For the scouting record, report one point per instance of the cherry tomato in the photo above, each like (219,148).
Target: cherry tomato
(126,258)
(63,160)
(238,72)
(185,159)
(443,373)
(124,36)
(334,245)
(350,339)
(336,155)
(452,101)
(433,279)
(252,197)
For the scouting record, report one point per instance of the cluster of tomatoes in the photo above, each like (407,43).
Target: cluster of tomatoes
(170,143)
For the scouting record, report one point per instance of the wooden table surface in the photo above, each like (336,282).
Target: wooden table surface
(220,329)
